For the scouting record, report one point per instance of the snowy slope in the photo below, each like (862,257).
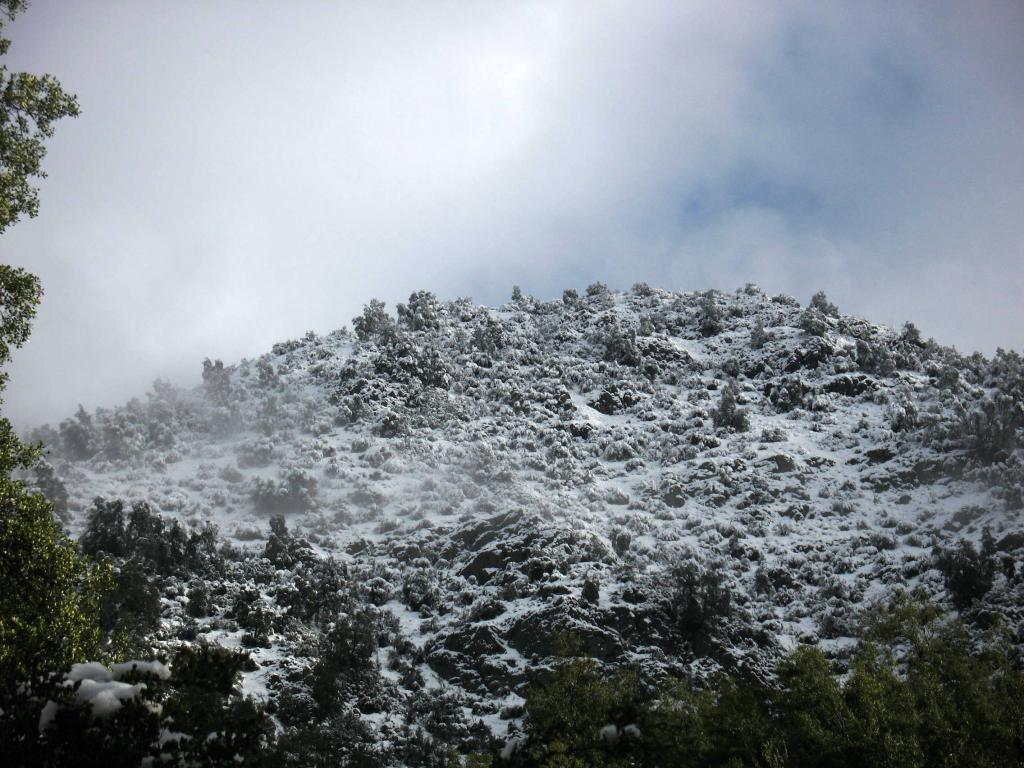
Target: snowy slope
(497,478)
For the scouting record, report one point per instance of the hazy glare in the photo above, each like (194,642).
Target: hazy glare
(245,171)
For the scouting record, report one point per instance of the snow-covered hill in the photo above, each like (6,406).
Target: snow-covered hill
(684,481)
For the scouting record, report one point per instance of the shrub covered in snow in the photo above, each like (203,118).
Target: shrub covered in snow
(189,712)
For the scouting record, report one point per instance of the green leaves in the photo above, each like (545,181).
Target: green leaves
(581,717)
(20,293)
(29,106)
(50,596)
(919,697)
(191,714)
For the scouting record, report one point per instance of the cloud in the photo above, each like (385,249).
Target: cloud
(244,172)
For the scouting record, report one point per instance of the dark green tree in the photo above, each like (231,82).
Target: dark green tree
(50,596)
(917,693)
(968,573)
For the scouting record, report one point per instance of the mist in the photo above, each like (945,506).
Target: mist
(244,172)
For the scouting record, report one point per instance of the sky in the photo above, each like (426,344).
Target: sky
(245,171)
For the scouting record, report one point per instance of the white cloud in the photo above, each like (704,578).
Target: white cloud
(238,176)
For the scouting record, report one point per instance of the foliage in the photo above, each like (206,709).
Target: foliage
(191,715)
(131,612)
(407,362)
(875,357)
(284,550)
(620,346)
(142,547)
(758,335)
(568,717)
(79,437)
(344,670)
(50,596)
(915,695)
(820,302)
(321,710)
(421,313)
(216,381)
(968,573)
(20,293)
(699,603)
(50,485)
(29,107)
(710,318)
(727,415)
(813,322)
(162,548)
(374,324)
(992,427)
(296,491)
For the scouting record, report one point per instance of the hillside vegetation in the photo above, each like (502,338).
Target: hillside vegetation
(405,526)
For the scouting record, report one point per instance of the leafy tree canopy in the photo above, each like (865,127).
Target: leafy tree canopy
(50,596)
(29,106)
(917,693)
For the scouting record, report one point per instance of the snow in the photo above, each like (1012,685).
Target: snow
(99,686)
(511,464)
(90,670)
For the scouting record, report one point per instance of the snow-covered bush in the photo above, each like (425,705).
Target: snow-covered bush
(993,427)
(710,315)
(374,324)
(820,302)
(187,713)
(294,491)
(727,415)
(423,312)
(813,322)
